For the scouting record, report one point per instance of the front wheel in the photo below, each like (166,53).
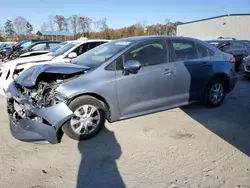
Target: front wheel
(88,119)
(215,93)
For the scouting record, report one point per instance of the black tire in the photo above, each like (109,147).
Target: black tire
(247,77)
(75,104)
(212,83)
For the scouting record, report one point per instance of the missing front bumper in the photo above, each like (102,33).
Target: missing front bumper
(45,126)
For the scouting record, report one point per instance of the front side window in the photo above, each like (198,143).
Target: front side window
(102,53)
(184,50)
(81,49)
(38,47)
(149,53)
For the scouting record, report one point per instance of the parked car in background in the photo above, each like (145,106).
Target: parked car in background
(10,70)
(238,48)
(37,48)
(246,67)
(12,51)
(5,48)
(120,79)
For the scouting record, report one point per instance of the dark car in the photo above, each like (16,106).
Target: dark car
(117,80)
(238,48)
(246,67)
(13,50)
(40,47)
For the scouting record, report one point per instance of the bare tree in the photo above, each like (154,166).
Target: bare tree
(66,24)
(20,25)
(29,28)
(84,24)
(74,23)
(44,26)
(97,25)
(59,20)
(51,23)
(103,24)
(81,24)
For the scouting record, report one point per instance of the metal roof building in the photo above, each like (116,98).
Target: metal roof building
(231,25)
(54,35)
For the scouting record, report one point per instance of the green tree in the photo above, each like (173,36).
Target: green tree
(9,28)
(29,28)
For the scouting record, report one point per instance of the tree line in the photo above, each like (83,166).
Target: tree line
(21,28)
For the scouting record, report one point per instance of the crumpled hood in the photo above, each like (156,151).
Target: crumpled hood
(28,77)
(34,52)
(38,58)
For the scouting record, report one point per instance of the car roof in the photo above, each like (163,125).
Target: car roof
(94,40)
(90,40)
(148,37)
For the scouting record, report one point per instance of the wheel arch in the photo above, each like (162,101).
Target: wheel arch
(222,76)
(98,97)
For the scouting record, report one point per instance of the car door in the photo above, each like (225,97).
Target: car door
(151,87)
(193,67)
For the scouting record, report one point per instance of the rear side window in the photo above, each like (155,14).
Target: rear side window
(184,50)
(203,51)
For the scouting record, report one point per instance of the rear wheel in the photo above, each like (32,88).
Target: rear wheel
(88,119)
(247,77)
(215,93)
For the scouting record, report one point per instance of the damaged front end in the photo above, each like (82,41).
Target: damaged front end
(35,109)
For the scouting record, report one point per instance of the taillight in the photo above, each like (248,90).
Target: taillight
(232,60)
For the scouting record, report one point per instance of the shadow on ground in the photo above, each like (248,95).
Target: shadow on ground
(231,121)
(98,166)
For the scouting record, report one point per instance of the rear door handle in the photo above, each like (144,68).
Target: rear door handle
(167,72)
(204,64)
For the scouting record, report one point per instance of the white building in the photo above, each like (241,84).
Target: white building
(231,25)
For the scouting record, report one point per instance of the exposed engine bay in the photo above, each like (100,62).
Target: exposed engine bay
(43,94)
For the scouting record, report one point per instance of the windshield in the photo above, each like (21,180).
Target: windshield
(100,54)
(65,48)
(58,46)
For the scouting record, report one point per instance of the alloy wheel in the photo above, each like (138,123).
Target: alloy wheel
(86,119)
(216,93)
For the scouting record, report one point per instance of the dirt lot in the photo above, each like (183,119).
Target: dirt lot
(189,147)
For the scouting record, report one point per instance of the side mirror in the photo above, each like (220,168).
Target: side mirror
(72,55)
(132,66)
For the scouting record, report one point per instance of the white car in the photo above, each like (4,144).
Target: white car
(11,69)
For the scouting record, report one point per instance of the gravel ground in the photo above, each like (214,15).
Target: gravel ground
(189,147)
